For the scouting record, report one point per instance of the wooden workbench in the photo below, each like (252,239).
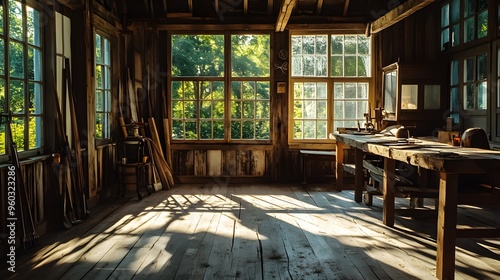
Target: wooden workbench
(448,160)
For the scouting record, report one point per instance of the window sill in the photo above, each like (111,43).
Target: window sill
(26,161)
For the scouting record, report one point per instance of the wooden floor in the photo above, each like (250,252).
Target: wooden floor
(226,231)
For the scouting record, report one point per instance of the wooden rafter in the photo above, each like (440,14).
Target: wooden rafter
(284,14)
(270,7)
(190,5)
(397,14)
(319,6)
(216,6)
(245,6)
(165,6)
(346,6)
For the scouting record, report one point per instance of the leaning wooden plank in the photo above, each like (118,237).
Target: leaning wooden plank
(159,167)
(131,96)
(168,138)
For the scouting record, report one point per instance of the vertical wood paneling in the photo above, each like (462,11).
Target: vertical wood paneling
(214,162)
(243,162)
(229,163)
(258,163)
(186,162)
(200,162)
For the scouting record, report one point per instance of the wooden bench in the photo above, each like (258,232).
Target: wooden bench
(313,153)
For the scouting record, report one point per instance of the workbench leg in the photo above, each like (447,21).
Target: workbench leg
(447,226)
(359,180)
(339,168)
(388,189)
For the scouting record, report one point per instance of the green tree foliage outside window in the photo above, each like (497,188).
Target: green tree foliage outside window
(102,86)
(21,79)
(199,89)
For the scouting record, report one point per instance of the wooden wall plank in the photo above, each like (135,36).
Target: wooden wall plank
(258,161)
(243,162)
(214,162)
(200,162)
(229,166)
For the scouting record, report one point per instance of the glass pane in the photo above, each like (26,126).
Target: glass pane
(218,128)
(190,109)
(321,90)
(298,109)
(309,90)
(99,77)
(308,43)
(218,110)
(35,104)
(218,90)
(2,138)
(482,67)
(2,52)
(455,11)
(445,39)
(236,90)
(350,109)
(250,55)
(363,66)
(177,130)
(454,72)
(206,130)
(337,66)
(206,110)
(1,32)
(350,90)
(481,5)
(338,110)
(235,110)
(298,90)
(18,128)
(362,109)
(321,130)
(469,29)
(248,109)
(205,91)
(470,7)
(16,30)
(363,45)
(262,110)
(107,52)
(16,60)
(249,90)
(107,101)
(34,64)
(2,96)
(390,92)
(297,130)
(248,130)
(309,109)
(190,90)
(338,90)
(321,66)
(481,96)
(309,129)
(409,97)
(16,96)
(308,66)
(235,130)
(33,24)
(191,130)
(445,15)
(454,99)
(296,45)
(321,110)
(177,110)
(337,45)
(469,100)
(321,44)
(99,125)
(432,97)
(197,55)
(469,70)
(482,24)
(177,90)
(262,130)
(98,49)
(296,66)
(107,78)
(350,45)
(350,66)
(263,89)
(455,35)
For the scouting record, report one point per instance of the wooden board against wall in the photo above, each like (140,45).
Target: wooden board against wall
(214,162)
(200,163)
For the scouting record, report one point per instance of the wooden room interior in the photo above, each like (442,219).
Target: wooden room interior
(250,139)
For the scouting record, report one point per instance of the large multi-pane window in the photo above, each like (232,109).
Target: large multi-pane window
(21,78)
(330,82)
(463,21)
(205,105)
(102,86)
(475,82)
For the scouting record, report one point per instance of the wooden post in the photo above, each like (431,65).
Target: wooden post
(358,176)
(389,181)
(339,168)
(447,226)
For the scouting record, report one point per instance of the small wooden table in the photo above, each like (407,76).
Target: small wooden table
(449,161)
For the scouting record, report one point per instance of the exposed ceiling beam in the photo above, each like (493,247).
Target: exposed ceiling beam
(216,6)
(245,7)
(190,5)
(320,6)
(397,14)
(284,14)
(346,6)
(270,7)
(165,6)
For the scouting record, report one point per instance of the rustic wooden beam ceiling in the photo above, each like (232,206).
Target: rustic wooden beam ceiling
(346,7)
(397,14)
(284,14)
(270,7)
(319,6)
(245,7)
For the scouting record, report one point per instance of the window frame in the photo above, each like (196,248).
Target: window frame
(330,80)
(107,111)
(27,81)
(227,78)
